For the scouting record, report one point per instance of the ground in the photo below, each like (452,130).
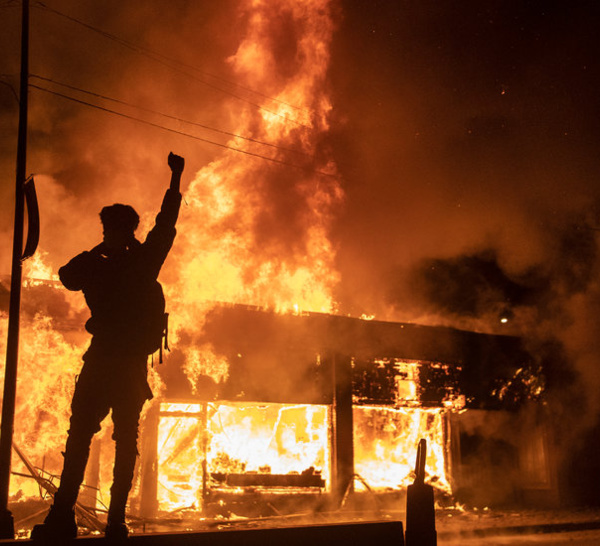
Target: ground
(454,525)
(497,527)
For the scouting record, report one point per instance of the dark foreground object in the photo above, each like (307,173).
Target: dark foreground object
(420,516)
(357,534)
(420,508)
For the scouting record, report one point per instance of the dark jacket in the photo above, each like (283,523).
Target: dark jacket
(121,288)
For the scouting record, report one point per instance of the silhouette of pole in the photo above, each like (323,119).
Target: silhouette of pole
(12,346)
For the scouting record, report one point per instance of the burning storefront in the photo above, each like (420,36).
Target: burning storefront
(319,404)
(319,412)
(316,413)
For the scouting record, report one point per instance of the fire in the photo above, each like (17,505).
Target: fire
(251,232)
(200,441)
(45,386)
(385,444)
(36,269)
(255,232)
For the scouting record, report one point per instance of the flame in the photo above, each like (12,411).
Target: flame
(36,270)
(385,445)
(46,380)
(252,232)
(255,232)
(197,440)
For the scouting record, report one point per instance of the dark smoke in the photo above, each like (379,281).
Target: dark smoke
(476,286)
(461,130)
(466,137)
(463,286)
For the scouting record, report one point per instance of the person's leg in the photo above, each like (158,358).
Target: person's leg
(88,409)
(125,416)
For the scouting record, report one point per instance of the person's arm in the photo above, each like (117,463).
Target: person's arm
(176,163)
(159,240)
(77,272)
(167,217)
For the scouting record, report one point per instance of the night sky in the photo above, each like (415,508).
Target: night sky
(465,133)
(470,128)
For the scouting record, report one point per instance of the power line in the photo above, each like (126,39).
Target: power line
(182,133)
(168,116)
(167,61)
(13,91)
(10,86)
(170,59)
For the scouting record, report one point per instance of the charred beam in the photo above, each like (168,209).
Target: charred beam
(343,434)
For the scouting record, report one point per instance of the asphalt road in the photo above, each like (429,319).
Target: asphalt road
(578,538)
(577,526)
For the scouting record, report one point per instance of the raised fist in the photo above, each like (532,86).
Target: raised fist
(176,163)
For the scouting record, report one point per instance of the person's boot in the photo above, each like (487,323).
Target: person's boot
(116,531)
(58,527)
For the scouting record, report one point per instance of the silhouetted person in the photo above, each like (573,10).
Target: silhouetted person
(119,280)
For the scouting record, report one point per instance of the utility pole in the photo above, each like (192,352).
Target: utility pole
(12,346)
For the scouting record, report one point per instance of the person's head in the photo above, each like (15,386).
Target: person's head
(119,223)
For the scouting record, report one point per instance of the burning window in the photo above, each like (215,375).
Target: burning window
(385,441)
(228,445)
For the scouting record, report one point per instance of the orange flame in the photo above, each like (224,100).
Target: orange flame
(250,232)
(255,232)
(196,440)
(385,444)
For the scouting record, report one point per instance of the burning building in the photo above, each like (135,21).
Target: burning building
(273,396)
(319,412)
(328,404)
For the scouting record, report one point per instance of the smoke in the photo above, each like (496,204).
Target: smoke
(453,139)
(450,148)
(97,158)
(464,136)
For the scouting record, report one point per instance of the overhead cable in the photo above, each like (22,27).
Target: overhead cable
(168,116)
(138,47)
(182,133)
(10,86)
(171,63)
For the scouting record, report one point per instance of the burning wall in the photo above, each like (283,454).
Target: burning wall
(273,413)
(355,420)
